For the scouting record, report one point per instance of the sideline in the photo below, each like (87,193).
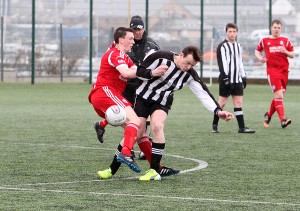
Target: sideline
(155,196)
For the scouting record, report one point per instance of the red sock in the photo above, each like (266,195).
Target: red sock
(103,123)
(130,134)
(146,147)
(279,108)
(272,109)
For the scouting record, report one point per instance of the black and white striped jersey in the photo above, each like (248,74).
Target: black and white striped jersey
(230,61)
(161,89)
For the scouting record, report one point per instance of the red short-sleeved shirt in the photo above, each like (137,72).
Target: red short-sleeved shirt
(277,61)
(108,75)
(110,84)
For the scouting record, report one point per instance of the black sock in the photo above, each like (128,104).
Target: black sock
(115,165)
(216,120)
(238,112)
(157,153)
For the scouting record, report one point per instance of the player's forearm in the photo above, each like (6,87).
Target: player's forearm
(290,54)
(258,55)
(127,72)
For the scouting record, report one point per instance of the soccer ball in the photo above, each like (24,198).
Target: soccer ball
(115,115)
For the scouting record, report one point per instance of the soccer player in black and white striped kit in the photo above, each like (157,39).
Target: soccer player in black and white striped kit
(154,96)
(232,78)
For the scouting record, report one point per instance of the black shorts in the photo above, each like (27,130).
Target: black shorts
(232,89)
(129,92)
(144,108)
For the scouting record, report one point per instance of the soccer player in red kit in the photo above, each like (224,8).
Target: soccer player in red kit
(277,49)
(115,68)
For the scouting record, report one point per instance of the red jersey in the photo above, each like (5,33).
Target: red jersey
(108,75)
(276,61)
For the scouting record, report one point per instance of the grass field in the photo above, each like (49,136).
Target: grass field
(50,155)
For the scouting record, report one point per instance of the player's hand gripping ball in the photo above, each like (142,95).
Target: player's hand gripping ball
(115,115)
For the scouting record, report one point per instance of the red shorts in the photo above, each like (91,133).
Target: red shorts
(278,81)
(104,97)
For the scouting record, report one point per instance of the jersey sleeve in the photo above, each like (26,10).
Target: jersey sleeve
(117,58)
(222,60)
(289,46)
(260,46)
(241,63)
(202,93)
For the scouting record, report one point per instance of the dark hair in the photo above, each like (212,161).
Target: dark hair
(121,33)
(276,21)
(232,25)
(194,51)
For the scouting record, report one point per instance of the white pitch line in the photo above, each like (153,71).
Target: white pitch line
(154,196)
(201,165)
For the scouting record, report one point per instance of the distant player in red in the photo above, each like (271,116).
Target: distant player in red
(277,49)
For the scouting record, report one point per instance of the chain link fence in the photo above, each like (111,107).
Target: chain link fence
(62,32)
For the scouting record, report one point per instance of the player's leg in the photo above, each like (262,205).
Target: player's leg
(222,102)
(113,168)
(147,132)
(130,134)
(224,93)
(158,118)
(278,83)
(239,114)
(237,92)
(268,115)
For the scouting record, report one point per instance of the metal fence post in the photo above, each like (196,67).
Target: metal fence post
(147,14)
(2,51)
(61,52)
(201,36)
(33,43)
(91,42)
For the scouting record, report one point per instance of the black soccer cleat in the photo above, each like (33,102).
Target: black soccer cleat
(246,130)
(142,156)
(165,171)
(215,129)
(285,122)
(99,131)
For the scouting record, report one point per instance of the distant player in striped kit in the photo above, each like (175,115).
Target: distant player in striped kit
(232,78)
(277,49)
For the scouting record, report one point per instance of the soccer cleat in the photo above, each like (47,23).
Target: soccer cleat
(215,129)
(266,120)
(129,161)
(165,171)
(100,131)
(285,122)
(142,156)
(246,130)
(151,174)
(132,153)
(105,174)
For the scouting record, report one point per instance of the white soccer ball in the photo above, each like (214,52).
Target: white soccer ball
(115,115)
